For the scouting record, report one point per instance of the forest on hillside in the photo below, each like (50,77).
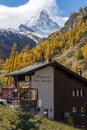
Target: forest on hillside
(54,44)
(47,49)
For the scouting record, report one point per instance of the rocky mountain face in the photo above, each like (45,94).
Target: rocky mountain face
(74,18)
(8,37)
(40,25)
(32,32)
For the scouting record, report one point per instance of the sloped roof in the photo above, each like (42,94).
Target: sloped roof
(32,68)
(28,69)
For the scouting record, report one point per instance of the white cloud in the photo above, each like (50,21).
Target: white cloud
(12,17)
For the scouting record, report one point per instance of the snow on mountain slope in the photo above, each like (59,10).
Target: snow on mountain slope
(40,25)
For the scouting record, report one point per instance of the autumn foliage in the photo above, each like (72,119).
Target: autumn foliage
(54,44)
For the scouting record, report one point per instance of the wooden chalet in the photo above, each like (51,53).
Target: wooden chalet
(52,90)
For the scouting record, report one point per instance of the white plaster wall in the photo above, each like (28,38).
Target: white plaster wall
(43,80)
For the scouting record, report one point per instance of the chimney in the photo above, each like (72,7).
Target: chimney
(49,60)
(80,71)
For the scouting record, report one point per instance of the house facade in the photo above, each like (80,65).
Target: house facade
(54,91)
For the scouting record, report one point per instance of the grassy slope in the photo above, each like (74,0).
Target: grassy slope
(68,58)
(18,120)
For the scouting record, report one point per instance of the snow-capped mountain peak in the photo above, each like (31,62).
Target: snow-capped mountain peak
(40,24)
(43,15)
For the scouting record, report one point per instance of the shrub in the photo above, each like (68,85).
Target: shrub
(79,55)
(70,120)
(85,66)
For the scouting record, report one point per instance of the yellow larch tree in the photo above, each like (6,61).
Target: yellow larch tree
(84,50)
(10,64)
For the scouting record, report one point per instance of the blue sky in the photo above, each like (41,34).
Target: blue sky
(66,6)
(14,3)
(16,12)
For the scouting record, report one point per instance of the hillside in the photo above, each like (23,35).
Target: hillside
(8,37)
(76,30)
(69,44)
(68,59)
(27,121)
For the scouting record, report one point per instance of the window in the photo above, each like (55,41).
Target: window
(74,109)
(66,114)
(45,112)
(77,92)
(32,94)
(81,92)
(82,109)
(73,93)
(29,94)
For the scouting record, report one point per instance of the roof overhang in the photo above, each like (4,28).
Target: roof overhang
(33,68)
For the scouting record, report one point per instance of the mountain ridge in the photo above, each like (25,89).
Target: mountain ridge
(41,23)
(8,37)
(41,26)
(74,18)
